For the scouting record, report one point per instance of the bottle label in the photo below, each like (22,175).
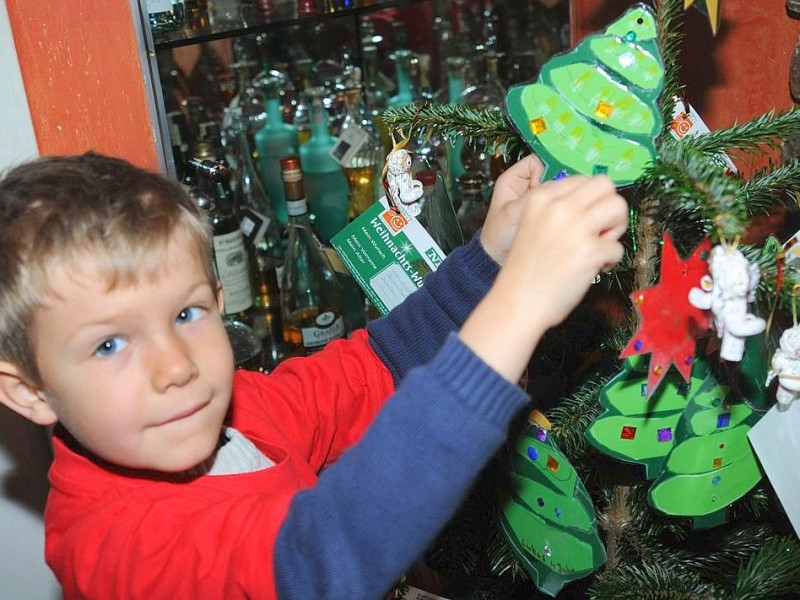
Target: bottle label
(329,327)
(159,6)
(254,226)
(233,271)
(349,143)
(295,208)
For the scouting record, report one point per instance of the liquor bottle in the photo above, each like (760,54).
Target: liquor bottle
(231,262)
(438,216)
(325,183)
(249,99)
(302,118)
(359,150)
(165,15)
(490,94)
(263,240)
(274,141)
(473,208)
(310,296)
(402,63)
(374,95)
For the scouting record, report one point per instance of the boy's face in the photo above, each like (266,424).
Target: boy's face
(140,375)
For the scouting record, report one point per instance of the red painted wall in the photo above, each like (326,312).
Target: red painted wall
(733,77)
(83,78)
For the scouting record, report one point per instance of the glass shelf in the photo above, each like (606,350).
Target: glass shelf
(278,21)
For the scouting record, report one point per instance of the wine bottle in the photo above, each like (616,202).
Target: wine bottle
(231,262)
(263,240)
(310,296)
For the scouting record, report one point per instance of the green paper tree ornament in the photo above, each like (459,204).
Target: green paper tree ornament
(547,515)
(636,427)
(594,109)
(712,464)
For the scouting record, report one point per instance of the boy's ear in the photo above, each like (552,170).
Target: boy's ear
(23,397)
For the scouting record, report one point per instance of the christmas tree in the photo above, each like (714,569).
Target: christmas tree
(651,431)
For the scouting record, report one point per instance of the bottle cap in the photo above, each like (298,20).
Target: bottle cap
(290,168)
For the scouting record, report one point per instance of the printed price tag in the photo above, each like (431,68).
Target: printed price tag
(776,441)
(349,144)
(387,253)
(254,226)
(686,121)
(413,593)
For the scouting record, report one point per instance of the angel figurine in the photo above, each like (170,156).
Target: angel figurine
(732,286)
(403,189)
(786,367)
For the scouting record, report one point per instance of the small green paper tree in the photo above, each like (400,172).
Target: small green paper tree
(547,514)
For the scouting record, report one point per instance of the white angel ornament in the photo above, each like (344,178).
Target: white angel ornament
(731,288)
(786,366)
(404,190)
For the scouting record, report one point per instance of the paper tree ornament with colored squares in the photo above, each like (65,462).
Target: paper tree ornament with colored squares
(712,464)
(547,515)
(669,324)
(594,109)
(639,428)
(691,437)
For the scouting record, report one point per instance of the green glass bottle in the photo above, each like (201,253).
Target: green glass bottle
(274,141)
(325,182)
(402,62)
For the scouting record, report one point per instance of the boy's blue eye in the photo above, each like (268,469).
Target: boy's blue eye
(187,315)
(110,346)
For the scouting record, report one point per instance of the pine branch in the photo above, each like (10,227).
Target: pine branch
(770,187)
(573,415)
(651,581)
(771,572)
(693,187)
(767,130)
(490,126)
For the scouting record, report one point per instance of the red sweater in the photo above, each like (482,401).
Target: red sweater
(111,534)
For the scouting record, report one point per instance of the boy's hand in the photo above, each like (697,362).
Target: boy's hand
(500,225)
(563,233)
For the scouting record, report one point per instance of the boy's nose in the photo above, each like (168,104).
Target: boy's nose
(171,362)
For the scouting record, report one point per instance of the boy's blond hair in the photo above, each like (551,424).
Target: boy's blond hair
(59,211)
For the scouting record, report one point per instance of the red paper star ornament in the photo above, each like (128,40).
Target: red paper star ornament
(669,326)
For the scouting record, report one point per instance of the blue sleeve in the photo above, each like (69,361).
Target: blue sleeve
(412,333)
(376,510)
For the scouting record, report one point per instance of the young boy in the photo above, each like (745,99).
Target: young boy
(176,477)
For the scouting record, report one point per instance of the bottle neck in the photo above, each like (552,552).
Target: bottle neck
(274,112)
(297,210)
(319,120)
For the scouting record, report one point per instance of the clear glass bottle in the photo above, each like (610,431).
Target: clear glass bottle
(362,158)
(325,183)
(473,208)
(302,118)
(374,95)
(310,297)
(274,141)
(263,240)
(165,15)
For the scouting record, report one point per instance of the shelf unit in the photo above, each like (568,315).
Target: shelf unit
(154,45)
